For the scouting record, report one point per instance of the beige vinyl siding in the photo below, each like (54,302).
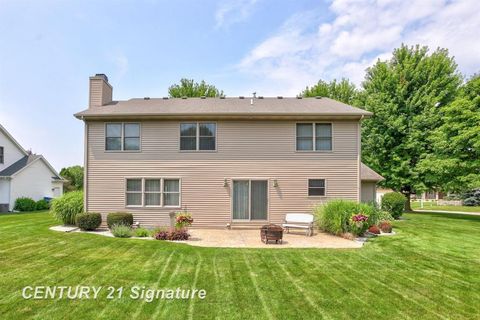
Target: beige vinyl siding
(260,149)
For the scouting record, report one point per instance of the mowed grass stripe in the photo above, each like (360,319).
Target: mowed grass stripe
(432,261)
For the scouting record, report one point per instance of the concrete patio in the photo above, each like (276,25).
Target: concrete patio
(247,238)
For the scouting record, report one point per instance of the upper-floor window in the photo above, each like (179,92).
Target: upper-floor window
(197,136)
(2,160)
(122,136)
(314,136)
(316,187)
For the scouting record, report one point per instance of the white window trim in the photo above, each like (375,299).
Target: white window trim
(171,192)
(136,192)
(122,137)
(314,137)
(152,192)
(308,188)
(197,136)
(179,206)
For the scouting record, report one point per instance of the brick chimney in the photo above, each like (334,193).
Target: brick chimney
(100,91)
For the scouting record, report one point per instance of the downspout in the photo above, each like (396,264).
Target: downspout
(85,168)
(359,154)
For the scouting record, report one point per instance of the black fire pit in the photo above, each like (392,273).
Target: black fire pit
(271,232)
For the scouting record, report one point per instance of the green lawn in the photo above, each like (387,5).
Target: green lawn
(429,270)
(433,206)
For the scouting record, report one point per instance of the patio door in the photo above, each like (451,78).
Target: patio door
(250,200)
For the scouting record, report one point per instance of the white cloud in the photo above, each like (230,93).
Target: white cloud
(233,11)
(360,33)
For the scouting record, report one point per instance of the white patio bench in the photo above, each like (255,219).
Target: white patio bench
(299,221)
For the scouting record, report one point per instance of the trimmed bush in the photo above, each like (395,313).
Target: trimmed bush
(24,204)
(42,205)
(336,216)
(394,203)
(374,229)
(386,226)
(67,207)
(172,234)
(89,221)
(121,231)
(141,232)
(119,218)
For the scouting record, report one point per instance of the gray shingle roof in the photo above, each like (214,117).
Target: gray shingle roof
(367,174)
(19,165)
(223,107)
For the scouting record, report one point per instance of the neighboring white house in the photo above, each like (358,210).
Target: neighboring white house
(23,174)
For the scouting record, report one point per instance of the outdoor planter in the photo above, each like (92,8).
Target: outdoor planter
(271,232)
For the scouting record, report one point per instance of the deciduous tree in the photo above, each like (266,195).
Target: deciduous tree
(406,95)
(190,88)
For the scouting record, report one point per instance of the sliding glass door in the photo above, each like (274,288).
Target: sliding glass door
(250,199)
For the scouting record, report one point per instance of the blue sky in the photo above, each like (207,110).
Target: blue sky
(48,49)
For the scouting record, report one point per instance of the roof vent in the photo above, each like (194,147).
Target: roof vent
(203,97)
(260,97)
(241,97)
(184,97)
(299,97)
(165,98)
(318,97)
(279,97)
(222,97)
(146,98)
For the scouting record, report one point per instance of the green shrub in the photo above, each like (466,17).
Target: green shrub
(121,231)
(336,216)
(377,215)
(67,207)
(141,232)
(119,218)
(89,220)
(394,203)
(42,205)
(24,204)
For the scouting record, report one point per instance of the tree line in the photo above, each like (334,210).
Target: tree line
(425,130)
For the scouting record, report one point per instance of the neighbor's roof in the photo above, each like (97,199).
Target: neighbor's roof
(367,174)
(15,142)
(25,162)
(224,107)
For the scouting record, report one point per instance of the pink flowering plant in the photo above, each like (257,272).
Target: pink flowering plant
(183,220)
(359,223)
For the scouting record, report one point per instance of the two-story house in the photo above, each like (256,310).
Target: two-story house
(23,174)
(239,161)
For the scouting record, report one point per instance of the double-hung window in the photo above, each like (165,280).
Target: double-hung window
(2,157)
(122,136)
(152,192)
(134,192)
(314,136)
(316,187)
(198,136)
